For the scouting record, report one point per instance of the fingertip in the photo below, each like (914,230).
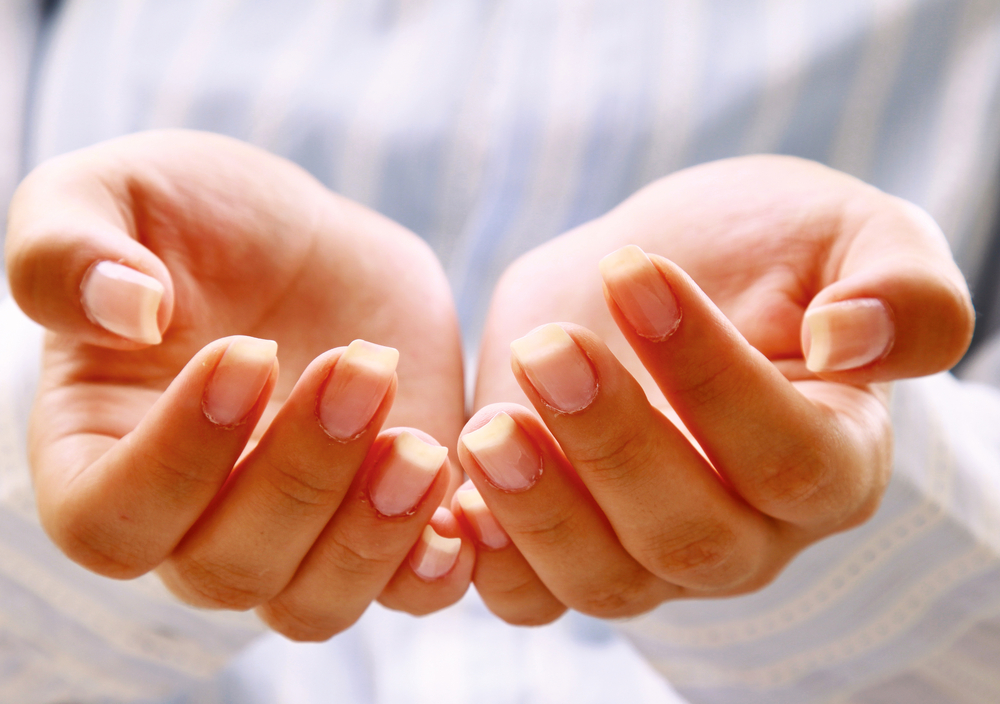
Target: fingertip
(239,379)
(847,334)
(123,301)
(469,507)
(890,322)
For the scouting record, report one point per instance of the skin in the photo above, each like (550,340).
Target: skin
(760,459)
(130,474)
(786,456)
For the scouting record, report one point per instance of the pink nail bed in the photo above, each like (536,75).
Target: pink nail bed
(506,454)
(238,379)
(557,368)
(123,301)
(488,530)
(405,475)
(641,293)
(357,385)
(434,556)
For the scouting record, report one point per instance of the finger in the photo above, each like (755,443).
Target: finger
(437,572)
(787,456)
(74,263)
(897,306)
(506,582)
(248,544)
(119,506)
(663,499)
(360,548)
(549,515)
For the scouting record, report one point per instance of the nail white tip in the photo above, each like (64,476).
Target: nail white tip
(622,263)
(492,435)
(471,501)
(418,453)
(435,555)
(379,359)
(548,341)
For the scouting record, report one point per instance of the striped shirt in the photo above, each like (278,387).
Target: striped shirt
(488,128)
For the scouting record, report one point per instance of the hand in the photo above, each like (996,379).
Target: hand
(222,248)
(790,294)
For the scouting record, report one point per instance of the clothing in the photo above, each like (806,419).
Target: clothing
(487,128)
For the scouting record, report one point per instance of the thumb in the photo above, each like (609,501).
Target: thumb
(73,261)
(898,306)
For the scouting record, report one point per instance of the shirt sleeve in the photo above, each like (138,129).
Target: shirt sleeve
(65,633)
(904,608)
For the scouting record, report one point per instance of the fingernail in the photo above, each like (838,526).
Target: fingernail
(488,530)
(238,379)
(357,385)
(639,290)
(505,453)
(123,301)
(434,556)
(848,334)
(557,368)
(405,475)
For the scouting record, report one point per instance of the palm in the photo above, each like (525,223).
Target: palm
(256,247)
(759,243)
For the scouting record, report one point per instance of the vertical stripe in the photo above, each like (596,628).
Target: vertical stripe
(286,74)
(835,36)
(175,93)
(786,61)
(902,158)
(734,73)
(854,146)
(963,150)
(627,51)
(53,99)
(684,47)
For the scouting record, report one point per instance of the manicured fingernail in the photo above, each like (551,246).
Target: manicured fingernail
(123,301)
(405,475)
(557,368)
(434,556)
(641,293)
(848,334)
(488,530)
(357,385)
(505,453)
(238,379)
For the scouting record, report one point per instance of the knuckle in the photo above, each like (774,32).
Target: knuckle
(544,530)
(615,458)
(217,586)
(705,382)
(107,556)
(700,549)
(99,547)
(302,492)
(794,480)
(359,558)
(613,600)
(296,625)
(178,472)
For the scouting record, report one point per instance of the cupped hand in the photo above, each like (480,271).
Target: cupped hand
(166,266)
(705,412)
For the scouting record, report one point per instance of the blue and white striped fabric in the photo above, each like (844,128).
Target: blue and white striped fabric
(488,128)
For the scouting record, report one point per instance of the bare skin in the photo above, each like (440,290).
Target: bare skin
(764,457)
(761,458)
(131,475)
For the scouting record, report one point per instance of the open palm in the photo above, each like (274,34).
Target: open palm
(128,470)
